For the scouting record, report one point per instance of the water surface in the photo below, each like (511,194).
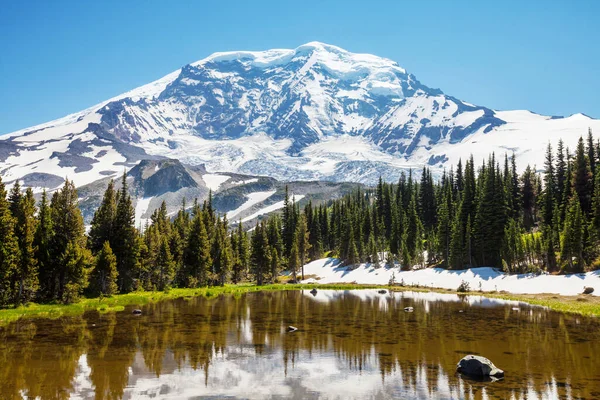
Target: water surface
(350,344)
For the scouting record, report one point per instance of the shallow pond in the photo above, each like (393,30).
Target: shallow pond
(349,344)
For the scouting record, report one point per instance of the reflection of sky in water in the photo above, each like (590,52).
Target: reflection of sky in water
(239,372)
(242,374)
(350,345)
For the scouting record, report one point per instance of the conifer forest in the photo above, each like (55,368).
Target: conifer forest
(479,213)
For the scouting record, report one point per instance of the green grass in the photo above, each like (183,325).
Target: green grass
(118,302)
(584,305)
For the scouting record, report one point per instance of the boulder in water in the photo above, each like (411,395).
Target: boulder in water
(382,291)
(588,290)
(409,309)
(478,367)
(292,328)
(313,292)
(137,312)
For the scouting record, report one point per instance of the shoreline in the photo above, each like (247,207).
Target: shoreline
(584,305)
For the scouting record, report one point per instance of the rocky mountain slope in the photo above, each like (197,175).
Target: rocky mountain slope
(316,112)
(241,197)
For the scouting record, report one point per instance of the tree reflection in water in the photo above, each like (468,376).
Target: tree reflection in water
(349,344)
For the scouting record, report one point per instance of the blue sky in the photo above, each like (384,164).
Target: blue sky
(61,57)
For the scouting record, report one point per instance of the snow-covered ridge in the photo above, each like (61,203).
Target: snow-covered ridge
(316,112)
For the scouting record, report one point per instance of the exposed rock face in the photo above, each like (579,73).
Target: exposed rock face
(478,367)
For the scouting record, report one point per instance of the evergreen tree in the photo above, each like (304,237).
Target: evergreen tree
(26,275)
(197,258)
(103,280)
(571,241)
(104,218)
(68,244)
(9,248)
(124,240)
(261,255)
(549,188)
(164,266)
(242,254)
(582,178)
(43,251)
(301,237)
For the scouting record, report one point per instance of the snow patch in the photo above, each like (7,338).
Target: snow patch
(330,270)
(214,181)
(253,199)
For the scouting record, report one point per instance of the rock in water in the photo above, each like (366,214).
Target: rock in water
(382,291)
(137,312)
(588,290)
(313,292)
(409,309)
(479,367)
(292,328)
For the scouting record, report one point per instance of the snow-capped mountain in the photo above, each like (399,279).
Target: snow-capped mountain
(314,112)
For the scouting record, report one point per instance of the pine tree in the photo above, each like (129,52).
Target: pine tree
(124,240)
(43,251)
(103,280)
(76,261)
(549,188)
(373,252)
(69,251)
(582,178)
(9,248)
(26,275)
(571,241)
(591,151)
(261,255)
(104,219)
(303,241)
(241,254)
(164,267)
(444,228)
(197,258)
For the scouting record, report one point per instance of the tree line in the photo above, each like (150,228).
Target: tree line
(486,215)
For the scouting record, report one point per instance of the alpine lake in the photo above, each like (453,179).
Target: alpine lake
(350,344)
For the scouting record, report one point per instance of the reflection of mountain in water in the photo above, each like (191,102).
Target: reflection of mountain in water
(350,344)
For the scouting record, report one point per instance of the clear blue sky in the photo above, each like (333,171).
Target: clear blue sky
(59,57)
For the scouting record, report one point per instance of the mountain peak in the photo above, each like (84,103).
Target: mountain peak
(313,112)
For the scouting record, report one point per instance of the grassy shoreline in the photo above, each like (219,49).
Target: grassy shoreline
(582,304)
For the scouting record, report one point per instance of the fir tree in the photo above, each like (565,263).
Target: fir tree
(571,241)
(582,178)
(43,251)
(197,258)
(104,218)
(103,280)
(124,240)
(26,275)
(301,237)
(9,248)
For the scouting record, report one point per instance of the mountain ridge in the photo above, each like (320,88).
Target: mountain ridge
(316,112)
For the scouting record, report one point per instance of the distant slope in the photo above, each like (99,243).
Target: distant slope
(240,197)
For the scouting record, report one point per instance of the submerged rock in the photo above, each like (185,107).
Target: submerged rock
(292,328)
(478,367)
(588,290)
(137,312)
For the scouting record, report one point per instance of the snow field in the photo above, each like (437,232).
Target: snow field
(253,199)
(330,270)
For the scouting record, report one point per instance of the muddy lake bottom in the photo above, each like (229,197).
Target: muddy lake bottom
(349,344)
